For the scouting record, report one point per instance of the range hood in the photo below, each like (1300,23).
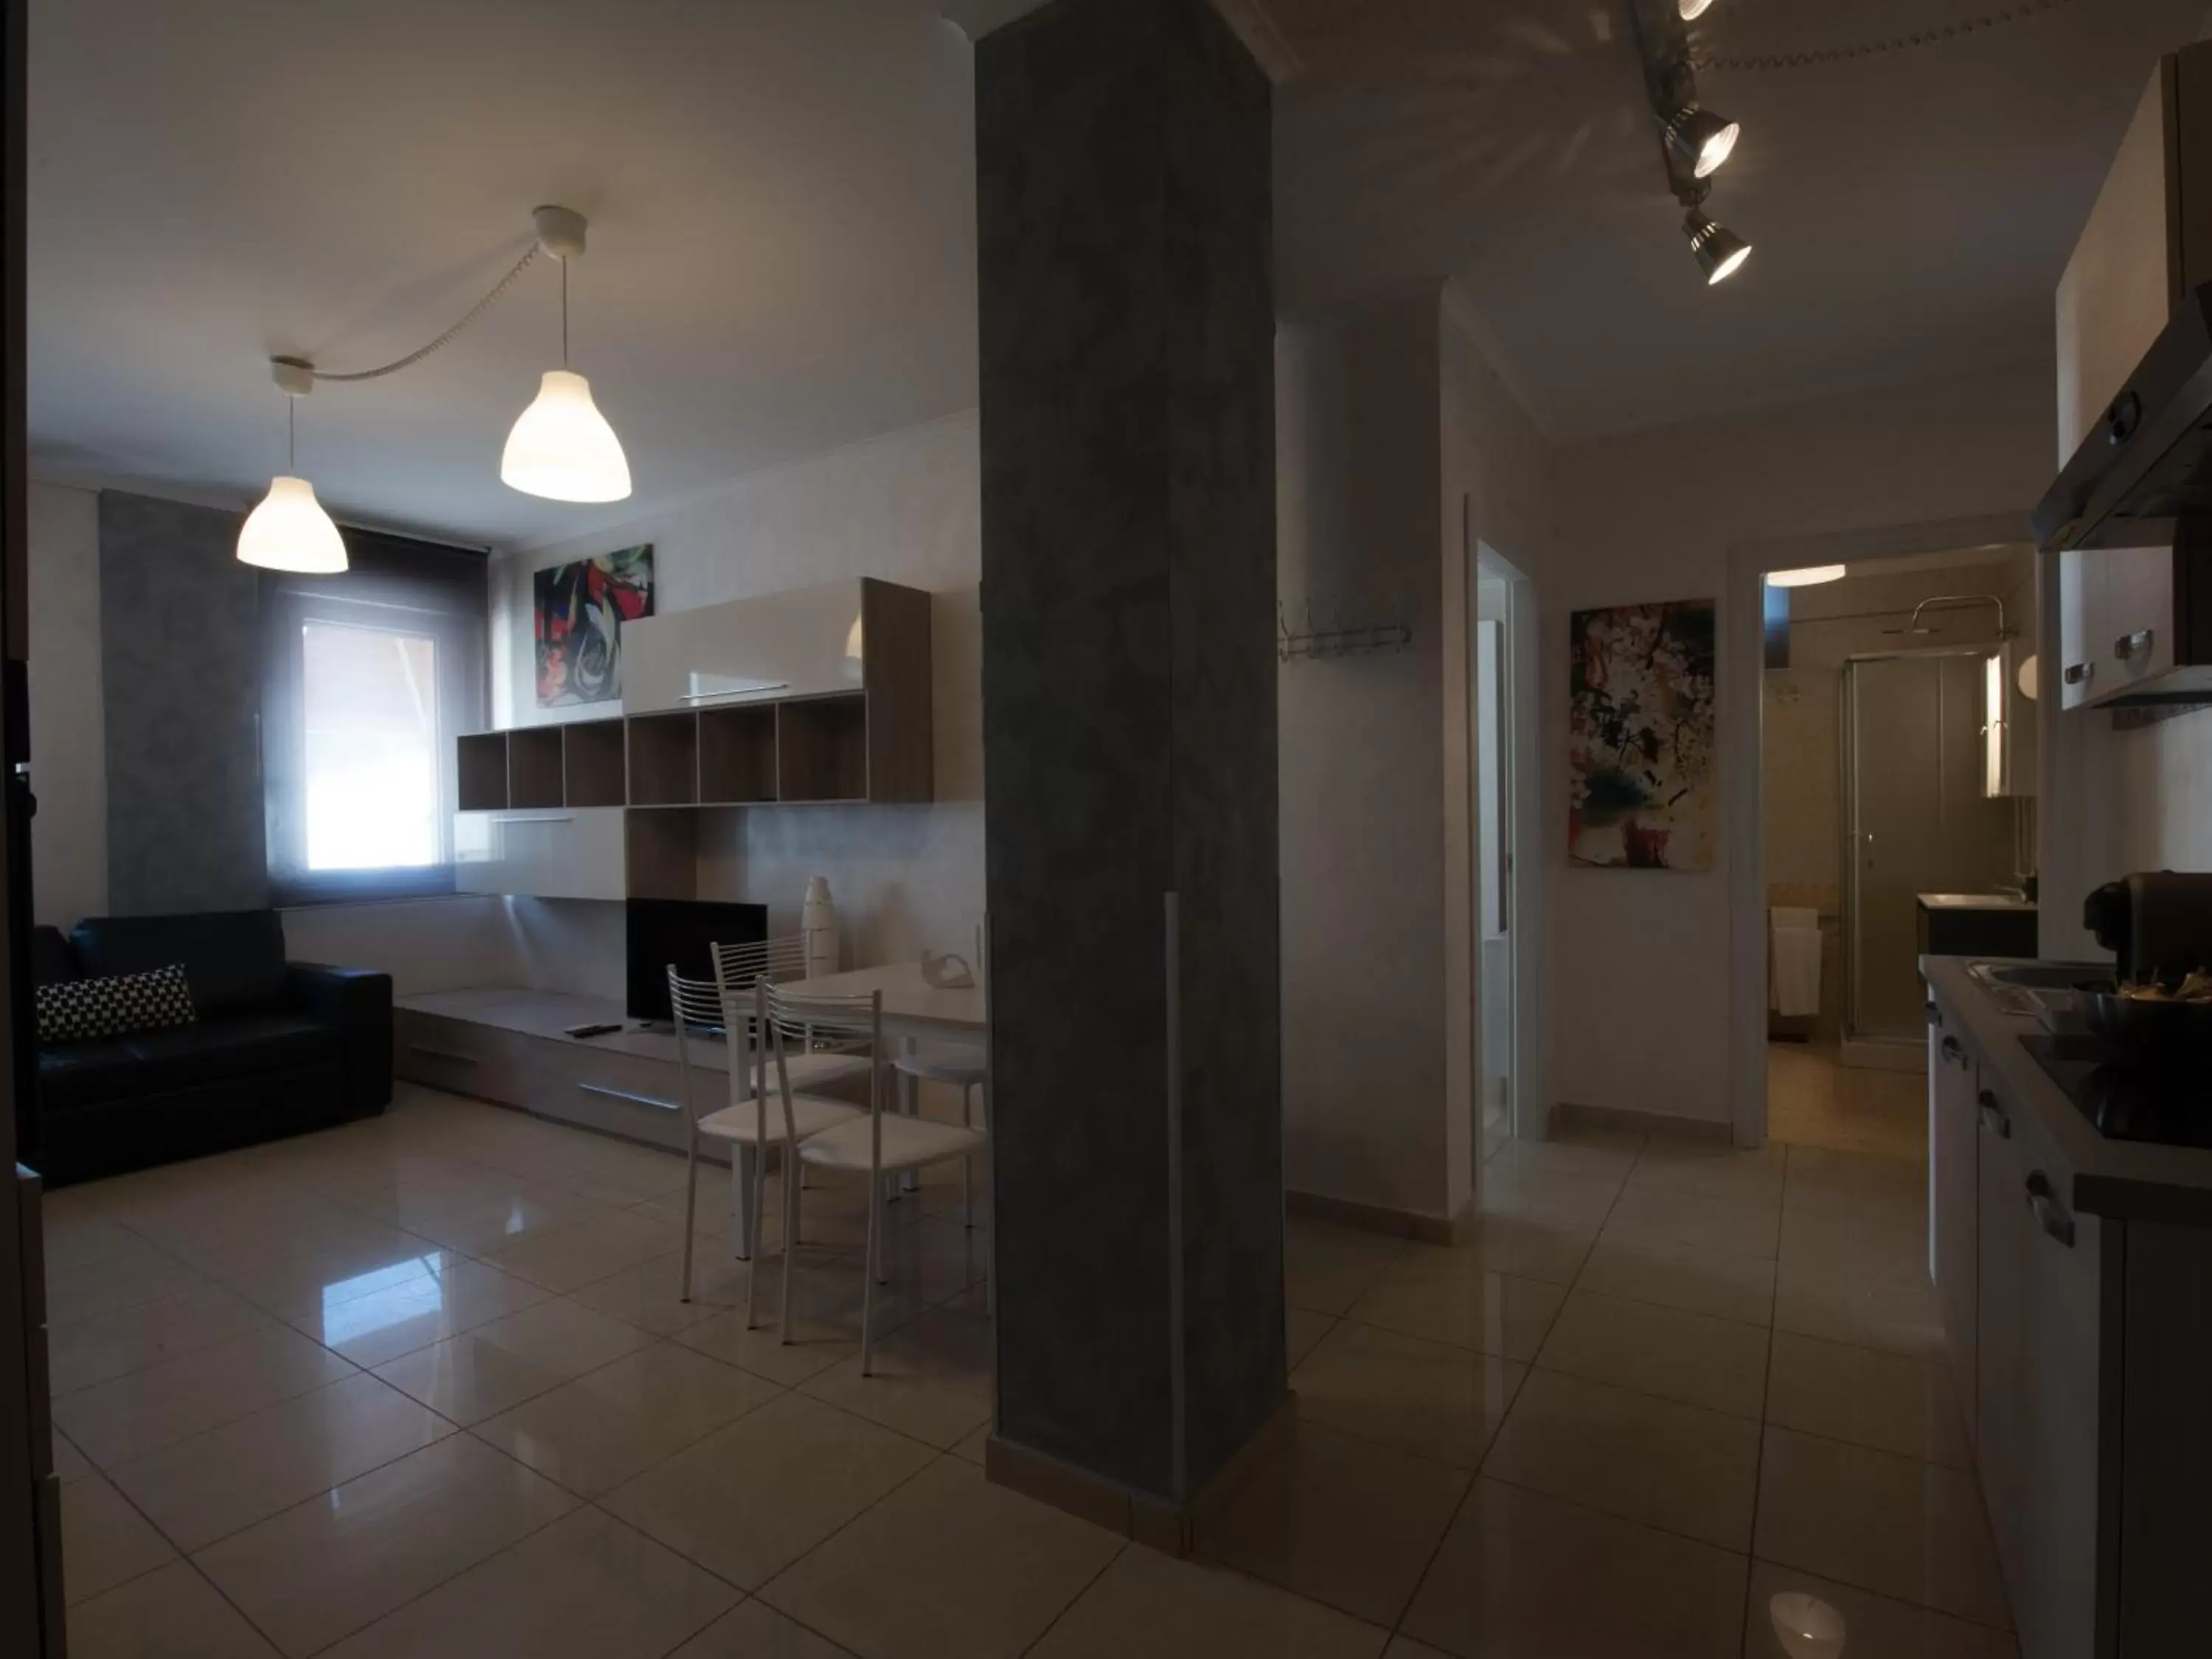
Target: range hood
(2147,460)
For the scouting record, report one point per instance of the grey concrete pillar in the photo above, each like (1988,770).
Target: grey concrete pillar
(1123,167)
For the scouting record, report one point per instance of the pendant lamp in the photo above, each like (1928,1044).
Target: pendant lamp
(290,531)
(561,447)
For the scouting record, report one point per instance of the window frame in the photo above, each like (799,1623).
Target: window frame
(414,589)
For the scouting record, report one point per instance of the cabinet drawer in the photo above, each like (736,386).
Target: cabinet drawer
(460,1056)
(619,1093)
(573,854)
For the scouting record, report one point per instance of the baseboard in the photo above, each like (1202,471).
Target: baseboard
(1381,1218)
(1148,1519)
(1567,1115)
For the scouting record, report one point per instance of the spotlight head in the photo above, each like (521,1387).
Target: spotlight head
(1691,9)
(1700,140)
(1719,250)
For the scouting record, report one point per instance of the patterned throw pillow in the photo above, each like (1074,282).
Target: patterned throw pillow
(78,1009)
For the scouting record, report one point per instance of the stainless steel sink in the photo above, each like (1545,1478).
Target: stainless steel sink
(2013,985)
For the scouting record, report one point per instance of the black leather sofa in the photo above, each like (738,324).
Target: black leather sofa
(278,1048)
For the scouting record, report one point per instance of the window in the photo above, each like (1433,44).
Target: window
(369,707)
(369,677)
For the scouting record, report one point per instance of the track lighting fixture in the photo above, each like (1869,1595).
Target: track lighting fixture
(1719,250)
(1700,140)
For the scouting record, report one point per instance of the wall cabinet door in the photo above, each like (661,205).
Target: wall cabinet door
(1954,1134)
(576,853)
(801,644)
(2081,616)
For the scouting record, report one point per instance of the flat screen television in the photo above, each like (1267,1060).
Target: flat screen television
(662,931)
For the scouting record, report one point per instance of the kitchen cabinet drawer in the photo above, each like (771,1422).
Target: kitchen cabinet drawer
(574,854)
(461,1056)
(798,644)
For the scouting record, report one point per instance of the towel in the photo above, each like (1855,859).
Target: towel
(1793,959)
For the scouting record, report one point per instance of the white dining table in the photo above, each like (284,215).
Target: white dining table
(915,1011)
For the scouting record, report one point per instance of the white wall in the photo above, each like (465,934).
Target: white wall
(69,758)
(1388,421)
(1651,516)
(906,508)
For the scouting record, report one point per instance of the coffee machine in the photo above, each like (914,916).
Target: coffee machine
(2158,924)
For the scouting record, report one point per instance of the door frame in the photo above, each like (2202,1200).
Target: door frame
(1742,678)
(1519,771)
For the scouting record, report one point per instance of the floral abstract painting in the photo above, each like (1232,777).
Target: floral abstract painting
(579,610)
(1641,733)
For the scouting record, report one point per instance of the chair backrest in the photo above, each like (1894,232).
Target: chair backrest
(736,966)
(699,1008)
(846,1024)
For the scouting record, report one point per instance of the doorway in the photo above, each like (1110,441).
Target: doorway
(1500,723)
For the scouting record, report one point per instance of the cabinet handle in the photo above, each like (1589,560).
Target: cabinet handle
(2048,1216)
(2132,645)
(558,817)
(1951,1050)
(453,1054)
(2080,673)
(1993,1117)
(1935,1015)
(624,1094)
(756,692)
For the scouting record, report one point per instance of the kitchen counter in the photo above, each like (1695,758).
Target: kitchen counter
(2117,1178)
(1975,902)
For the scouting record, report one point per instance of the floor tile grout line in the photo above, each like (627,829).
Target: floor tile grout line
(181,1555)
(1120,1550)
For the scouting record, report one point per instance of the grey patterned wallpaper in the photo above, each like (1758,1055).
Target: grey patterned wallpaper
(179,629)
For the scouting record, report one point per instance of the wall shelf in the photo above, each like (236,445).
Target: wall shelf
(815,697)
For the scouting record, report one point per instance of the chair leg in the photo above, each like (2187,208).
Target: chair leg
(760,1190)
(868,1277)
(790,1199)
(690,1206)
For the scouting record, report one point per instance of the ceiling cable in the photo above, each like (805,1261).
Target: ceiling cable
(1937,35)
(476,311)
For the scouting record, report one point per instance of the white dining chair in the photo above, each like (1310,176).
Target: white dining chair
(879,1145)
(966,1068)
(745,1122)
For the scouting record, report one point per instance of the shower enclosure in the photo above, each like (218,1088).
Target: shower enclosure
(1916,820)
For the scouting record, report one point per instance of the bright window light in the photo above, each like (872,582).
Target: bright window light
(370,701)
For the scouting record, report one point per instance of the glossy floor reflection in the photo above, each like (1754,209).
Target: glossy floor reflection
(423,1386)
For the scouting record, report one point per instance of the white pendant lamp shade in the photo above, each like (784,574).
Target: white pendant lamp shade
(290,531)
(562,448)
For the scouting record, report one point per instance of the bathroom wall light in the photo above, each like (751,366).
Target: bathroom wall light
(1693,10)
(1811,575)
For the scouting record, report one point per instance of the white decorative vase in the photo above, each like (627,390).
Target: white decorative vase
(817,928)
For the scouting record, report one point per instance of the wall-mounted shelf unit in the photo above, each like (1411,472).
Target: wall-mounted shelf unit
(815,697)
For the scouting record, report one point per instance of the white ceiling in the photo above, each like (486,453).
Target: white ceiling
(782,205)
(1909,214)
(782,254)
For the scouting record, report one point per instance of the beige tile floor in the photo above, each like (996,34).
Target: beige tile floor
(1811,1100)
(423,1386)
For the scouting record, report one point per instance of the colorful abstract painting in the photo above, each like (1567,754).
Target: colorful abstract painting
(1641,733)
(579,610)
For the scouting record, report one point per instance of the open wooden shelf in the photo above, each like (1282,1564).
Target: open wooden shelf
(481,761)
(662,854)
(822,749)
(594,765)
(533,768)
(664,760)
(737,754)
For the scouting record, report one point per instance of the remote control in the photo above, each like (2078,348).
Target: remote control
(592,1030)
